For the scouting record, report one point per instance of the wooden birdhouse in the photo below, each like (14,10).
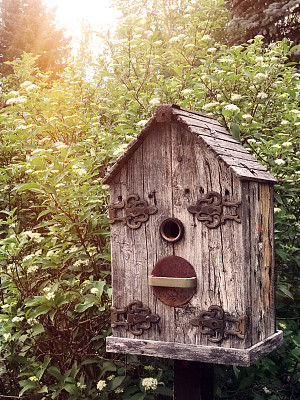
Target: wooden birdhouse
(191,216)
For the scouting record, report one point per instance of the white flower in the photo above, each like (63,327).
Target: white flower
(206,37)
(5,306)
(251,140)
(295,111)
(279,161)
(14,93)
(210,105)
(155,101)
(28,257)
(120,150)
(25,84)
(235,96)
(259,77)
(32,88)
(101,385)
(284,122)
(33,378)
(6,336)
(17,319)
(262,95)
(11,101)
(173,39)
(187,91)
(247,116)
(211,50)
(32,269)
(32,321)
(149,383)
(157,43)
(50,296)
(266,390)
(60,145)
(20,100)
(94,290)
(276,209)
(35,236)
(232,107)
(286,144)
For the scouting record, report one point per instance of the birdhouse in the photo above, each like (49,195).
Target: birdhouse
(191,214)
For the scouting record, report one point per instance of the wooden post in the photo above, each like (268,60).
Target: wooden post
(193,380)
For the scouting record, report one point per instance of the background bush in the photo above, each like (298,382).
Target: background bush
(58,137)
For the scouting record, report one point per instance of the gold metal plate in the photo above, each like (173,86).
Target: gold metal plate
(172,282)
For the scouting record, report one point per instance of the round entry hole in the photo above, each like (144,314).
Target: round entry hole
(171,230)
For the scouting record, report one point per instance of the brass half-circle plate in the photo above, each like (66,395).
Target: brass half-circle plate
(178,290)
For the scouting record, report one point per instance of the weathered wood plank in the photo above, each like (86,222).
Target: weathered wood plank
(205,131)
(255,175)
(181,351)
(156,176)
(267,260)
(194,120)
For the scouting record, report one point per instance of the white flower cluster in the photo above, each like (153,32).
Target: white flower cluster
(16,100)
(32,269)
(101,385)
(94,290)
(149,383)
(6,336)
(35,236)
(17,319)
(232,107)
(79,263)
(48,293)
(235,96)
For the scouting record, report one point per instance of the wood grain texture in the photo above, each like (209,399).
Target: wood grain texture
(171,168)
(208,354)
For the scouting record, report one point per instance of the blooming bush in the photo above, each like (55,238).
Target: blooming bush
(57,140)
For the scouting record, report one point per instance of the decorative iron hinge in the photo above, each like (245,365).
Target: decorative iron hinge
(136,211)
(209,208)
(218,324)
(134,318)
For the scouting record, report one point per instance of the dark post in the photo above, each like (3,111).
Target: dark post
(193,380)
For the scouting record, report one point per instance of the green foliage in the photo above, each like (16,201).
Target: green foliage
(57,140)
(28,26)
(275,20)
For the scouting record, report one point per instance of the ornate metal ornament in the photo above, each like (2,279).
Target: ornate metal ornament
(209,208)
(136,211)
(134,318)
(218,324)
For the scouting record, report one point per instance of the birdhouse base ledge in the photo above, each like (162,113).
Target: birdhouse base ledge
(191,352)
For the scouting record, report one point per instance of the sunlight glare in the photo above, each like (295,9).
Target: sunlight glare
(70,13)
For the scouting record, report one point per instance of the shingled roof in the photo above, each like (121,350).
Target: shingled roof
(212,135)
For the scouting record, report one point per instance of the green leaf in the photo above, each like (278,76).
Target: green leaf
(164,391)
(26,384)
(114,383)
(84,306)
(227,113)
(28,186)
(55,372)
(246,382)
(138,396)
(235,131)
(41,310)
(70,388)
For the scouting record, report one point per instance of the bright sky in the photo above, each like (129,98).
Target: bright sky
(71,12)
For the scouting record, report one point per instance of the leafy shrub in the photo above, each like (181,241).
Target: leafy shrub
(57,140)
